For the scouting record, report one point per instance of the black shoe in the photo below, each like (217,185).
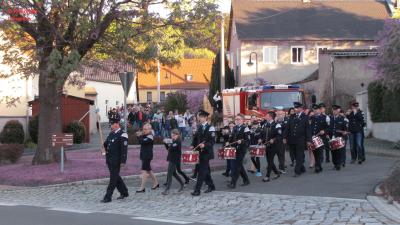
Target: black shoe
(106,200)
(251,171)
(276,176)
(194,176)
(141,191)
(122,196)
(181,188)
(187,181)
(164,184)
(156,187)
(344,164)
(292,164)
(363,159)
(360,162)
(231,186)
(352,161)
(165,192)
(225,174)
(245,183)
(337,168)
(266,179)
(296,175)
(209,189)
(195,193)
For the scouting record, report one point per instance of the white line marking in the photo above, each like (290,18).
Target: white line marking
(161,220)
(7,204)
(69,210)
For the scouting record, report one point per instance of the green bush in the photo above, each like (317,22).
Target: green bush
(384,104)
(78,130)
(34,129)
(176,101)
(11,152)
(13,133)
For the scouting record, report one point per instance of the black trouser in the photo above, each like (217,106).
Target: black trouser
(115,182)
(281,154)
(298,150)
(239,169)
(270,153)
(337,157)
(292,153)
(180,172)
(204,174)
(256,163)
(196,170)
(327,148)
(319,158)
(172,172)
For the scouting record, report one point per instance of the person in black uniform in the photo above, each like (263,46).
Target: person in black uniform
(297,135)
(230,163)
(204,138)
(325,138)
(319,128)
(256,139)
(116,146)
(291,115)
(272,136)
(240,138)
(280,119)
(174,156)
(337,128)
(356,127)
(146,155)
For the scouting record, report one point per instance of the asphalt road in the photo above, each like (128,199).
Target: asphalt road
(28,215)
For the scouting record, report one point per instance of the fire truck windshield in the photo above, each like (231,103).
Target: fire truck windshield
(285,99)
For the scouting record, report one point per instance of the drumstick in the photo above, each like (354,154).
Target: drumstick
(233,143)
(194,149)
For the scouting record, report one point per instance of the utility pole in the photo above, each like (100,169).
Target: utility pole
(222,55)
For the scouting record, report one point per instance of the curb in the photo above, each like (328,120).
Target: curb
(102,180)
(391,211)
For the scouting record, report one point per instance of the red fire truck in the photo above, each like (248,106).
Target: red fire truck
(258,100)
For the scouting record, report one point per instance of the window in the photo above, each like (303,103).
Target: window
(252,101)
(285,99)
(319,49)
(162,96)
(149,96)
(270,54)
(297,54)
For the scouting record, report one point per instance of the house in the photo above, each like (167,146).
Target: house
(190,75)
(280,41)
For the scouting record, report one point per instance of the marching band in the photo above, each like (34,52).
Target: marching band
(298,130)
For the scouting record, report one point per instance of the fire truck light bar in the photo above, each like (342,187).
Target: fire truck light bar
(280,86)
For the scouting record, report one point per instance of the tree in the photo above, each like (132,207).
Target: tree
(63,34)
(387,63)
(215,82)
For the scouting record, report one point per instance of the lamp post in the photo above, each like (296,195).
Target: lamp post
(250,63)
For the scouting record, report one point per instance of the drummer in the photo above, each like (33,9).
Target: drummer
(338,128)
(240,138)
(255,139)
(318,129)
(272,136)
(227,135)
(204,138)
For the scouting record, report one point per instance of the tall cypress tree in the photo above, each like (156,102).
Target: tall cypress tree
(215,82)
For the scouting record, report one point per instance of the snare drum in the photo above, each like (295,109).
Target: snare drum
(311,147)
(221,153)
(257,151)
(337,143)
(190,157)
(317,142)
(229,153)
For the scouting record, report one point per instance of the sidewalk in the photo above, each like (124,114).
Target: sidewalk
(380,147)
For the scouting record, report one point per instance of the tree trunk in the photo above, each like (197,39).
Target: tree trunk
(49,117)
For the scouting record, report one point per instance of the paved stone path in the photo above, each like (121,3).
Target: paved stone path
(215,208)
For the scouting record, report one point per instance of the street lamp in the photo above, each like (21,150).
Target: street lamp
(166,77)
(250,63)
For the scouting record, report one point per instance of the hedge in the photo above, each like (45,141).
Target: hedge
(78,130)
(12,133)
(383,103)
(34,129)
(11,152)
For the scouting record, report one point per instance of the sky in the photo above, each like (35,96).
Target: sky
(225,5)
